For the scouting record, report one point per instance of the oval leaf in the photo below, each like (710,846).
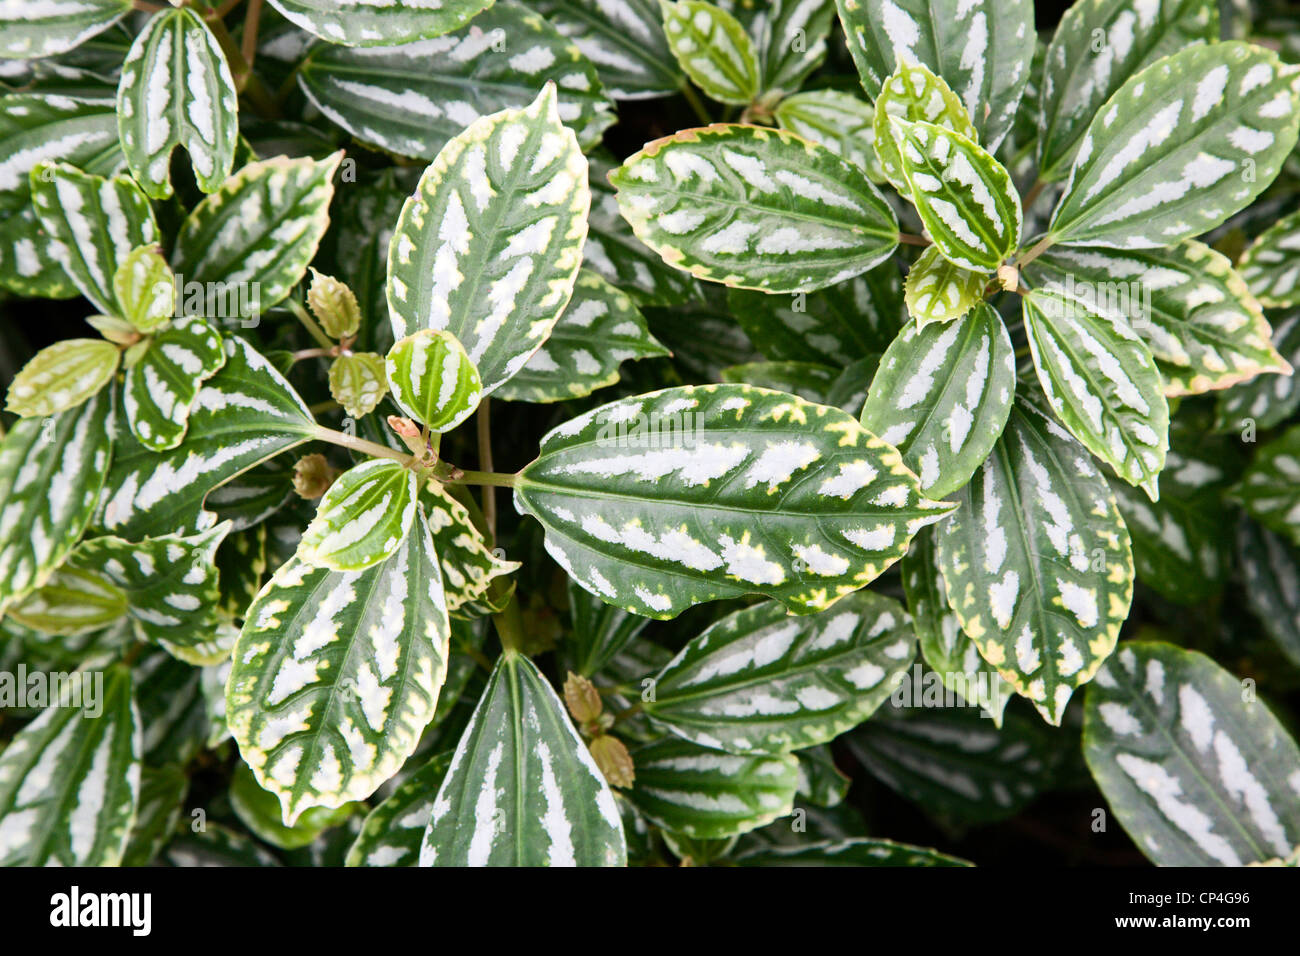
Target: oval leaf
(162,387)
(61,376)
(1271,266)
(363,518)
(366,23)
(939,291)
(433,380)
(914,93)
(713,48)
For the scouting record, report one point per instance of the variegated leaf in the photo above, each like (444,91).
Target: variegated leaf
(27,268)
(433,379)
(162,387)
(942,396)
(51,473)
(601,329)
(939,291)
(393,830)
(336,675)
(912,93)
(1271,569)
(624,39)
(1198,771)
(257,233)
(1182,146)
(849,391)
(704,794)
(363,518)
(1270,488)
(468,566)
(145,289)
(963,195)
(1204,328)
(982,48)
(713,48)
(843,123)
(522,789)
(761,682)
(244,414)
(789,39)
(259,810)
(855,852)
(358,382)
(70,780)
(1097,46)
(600,632)
(707,200)
(1037,562)
(50,27)
(489,245)
(366,23)
(61,376)
(1267,400)
(1101,381)
(1271,266)
(414,99)
(946,648)
(692,494)
(72,601)
(44,128)
(216,845)
(176,90)
(92,224)
(809,381)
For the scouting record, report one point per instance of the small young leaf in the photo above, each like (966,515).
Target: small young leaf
(366,23)
(358,382)
(334,305)
(72,601)
(713,48)
(914,93)
(939,291)
(363,518)
(32,31)
(145,289)
(789,39)
(1271,266)
(433,380)
(163,386)
(61,376)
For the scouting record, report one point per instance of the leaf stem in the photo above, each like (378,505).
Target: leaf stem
(907,239)
(697,104)
(509,623)
(1034,192)
(1041,246)
(252,20)
(354,443)
(484,427)
(317,333)
(489,479)
(310,353)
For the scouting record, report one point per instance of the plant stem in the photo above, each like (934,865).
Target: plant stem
(309,324)
(326,406)
(510,626)
(484,425)
(252,20)
(1032,196)
(697,104)
(146,7)
(310,353)
(907,239)
(360,444)
(1038,249)
(490,479)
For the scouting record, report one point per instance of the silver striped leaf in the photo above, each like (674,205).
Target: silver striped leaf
(849,390)
(964,196)
(52,471)
(366,23)
(259,811)
(256,234)
(176,90)
(522,789)
(789,38)
(162,387)
(821,783)
(600,632)
(809,381)
(489,245)
(1270,488)
(34,30)
(336,675)
(624,39)
(1038,563)
(858,851)
(942,396)
(41,128)
(1183,145)
(947,649)
(393,831)
(1097,46)
(703,794)
(1101,381)
(92,224)
(26,267)
(755,208)
(601,329)
(468,566)
(61,376)
(358,382)
(713,49)
(145,289)
(1204,328)
(939,291)
(433,379)
(1269,399)
(1271,569)
(842,122)
(1271,265)
(70,780)
(666,500)
(1198,771)
(762,682)
(912,93)
(363,518)
(414,99)
(982,48)
(72,601)
(244,414)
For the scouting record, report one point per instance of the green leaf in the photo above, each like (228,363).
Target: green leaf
(1271,265)
(1037,562)
(1270,488)
(522,790)
(761,682)
(1183,145)
(176,90)
(61,376)
(393,830)
(358,382)
(92,225)
(624,39)
(718,491)
(857,852)
(244,414)
(468,566)
(72,601)
(942,396)
(982,48)
(1269,399)
(44,128)
(789,39)
(334,305)
(600,632)
(163,386)
(70,780)
(162,798)
(259,810)
(705,794)
(755,208)
(27,268)
(363,518)
(366,23)
(489,245)
(939,291)
(52,27)
(433,379)
(1101,381)
(821,783)
(841,122)
(145,289)
(1097,46)
(1271,569)
(1204,328)
(412,100)
(216,845)
(1198,772)
(963,195)
(336,675)
(601,329)
(258,231)
(713,48)
(51,473)
(913,93)
(809,381)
